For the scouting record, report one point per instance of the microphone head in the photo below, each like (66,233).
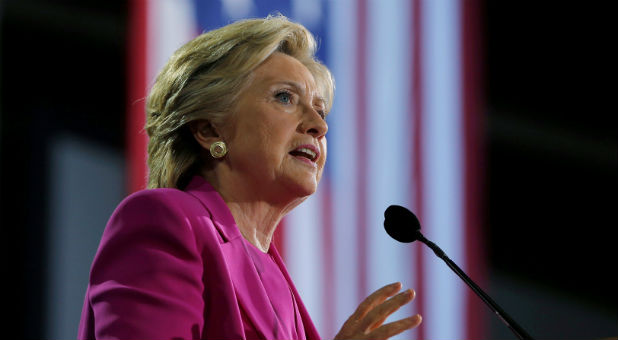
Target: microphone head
(401,224)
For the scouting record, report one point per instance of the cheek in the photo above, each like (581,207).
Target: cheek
(270,140)
(281,133)
(259,134)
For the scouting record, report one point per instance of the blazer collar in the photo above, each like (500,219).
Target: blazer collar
(219,211)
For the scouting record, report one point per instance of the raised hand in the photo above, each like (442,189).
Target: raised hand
(367,321)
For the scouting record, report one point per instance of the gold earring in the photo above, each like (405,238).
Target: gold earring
(218,149)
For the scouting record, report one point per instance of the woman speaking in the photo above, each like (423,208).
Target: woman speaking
(237,129)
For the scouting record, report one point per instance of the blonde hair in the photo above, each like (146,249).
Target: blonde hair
(203,78)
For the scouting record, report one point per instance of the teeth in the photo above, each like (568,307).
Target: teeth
(308,151)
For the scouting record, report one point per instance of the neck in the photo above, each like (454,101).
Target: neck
(257,221)
(255,211)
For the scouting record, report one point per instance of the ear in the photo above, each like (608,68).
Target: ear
(204,133)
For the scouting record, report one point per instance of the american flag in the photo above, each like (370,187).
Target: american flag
(404,129)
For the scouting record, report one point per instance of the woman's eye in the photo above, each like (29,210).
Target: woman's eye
(284,97)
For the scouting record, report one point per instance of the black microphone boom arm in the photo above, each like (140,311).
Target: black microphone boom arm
(402,225)
(502,315)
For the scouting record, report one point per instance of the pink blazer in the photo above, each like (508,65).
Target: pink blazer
(171,265)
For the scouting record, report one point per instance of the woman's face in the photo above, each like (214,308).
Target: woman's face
(277,133)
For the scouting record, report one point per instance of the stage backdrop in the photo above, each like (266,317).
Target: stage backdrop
(404,129)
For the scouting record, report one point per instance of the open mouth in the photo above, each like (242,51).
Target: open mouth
(306,151)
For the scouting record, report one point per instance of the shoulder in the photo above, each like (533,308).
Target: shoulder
(153,203)
(194,216)
(165,212)
(157,197)
(155,226)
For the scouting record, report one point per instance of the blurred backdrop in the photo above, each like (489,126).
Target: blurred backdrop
(490,120)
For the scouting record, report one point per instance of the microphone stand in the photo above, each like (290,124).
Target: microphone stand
(502,315)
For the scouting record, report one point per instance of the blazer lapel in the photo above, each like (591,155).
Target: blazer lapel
(311,332)
(250,292)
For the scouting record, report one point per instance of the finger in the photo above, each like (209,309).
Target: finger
(373,300)
(379,314)
(391,329)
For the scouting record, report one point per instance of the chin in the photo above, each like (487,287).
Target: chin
(302,189)
(308,190)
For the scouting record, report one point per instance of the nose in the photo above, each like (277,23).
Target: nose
(313,123)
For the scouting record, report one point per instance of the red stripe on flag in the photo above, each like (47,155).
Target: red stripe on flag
(137,84)
(361,141)
(417,146)
(472,201)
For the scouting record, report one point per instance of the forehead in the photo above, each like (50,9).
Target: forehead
(282,68)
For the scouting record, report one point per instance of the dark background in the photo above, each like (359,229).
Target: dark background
(550,145)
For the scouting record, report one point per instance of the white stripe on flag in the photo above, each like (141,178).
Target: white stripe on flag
(442,166)
(388,126)
(171,23)
(341,158)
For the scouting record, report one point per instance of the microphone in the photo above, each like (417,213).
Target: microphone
(402,225)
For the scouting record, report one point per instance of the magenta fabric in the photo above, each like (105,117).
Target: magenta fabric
(279,293)
(172,264)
